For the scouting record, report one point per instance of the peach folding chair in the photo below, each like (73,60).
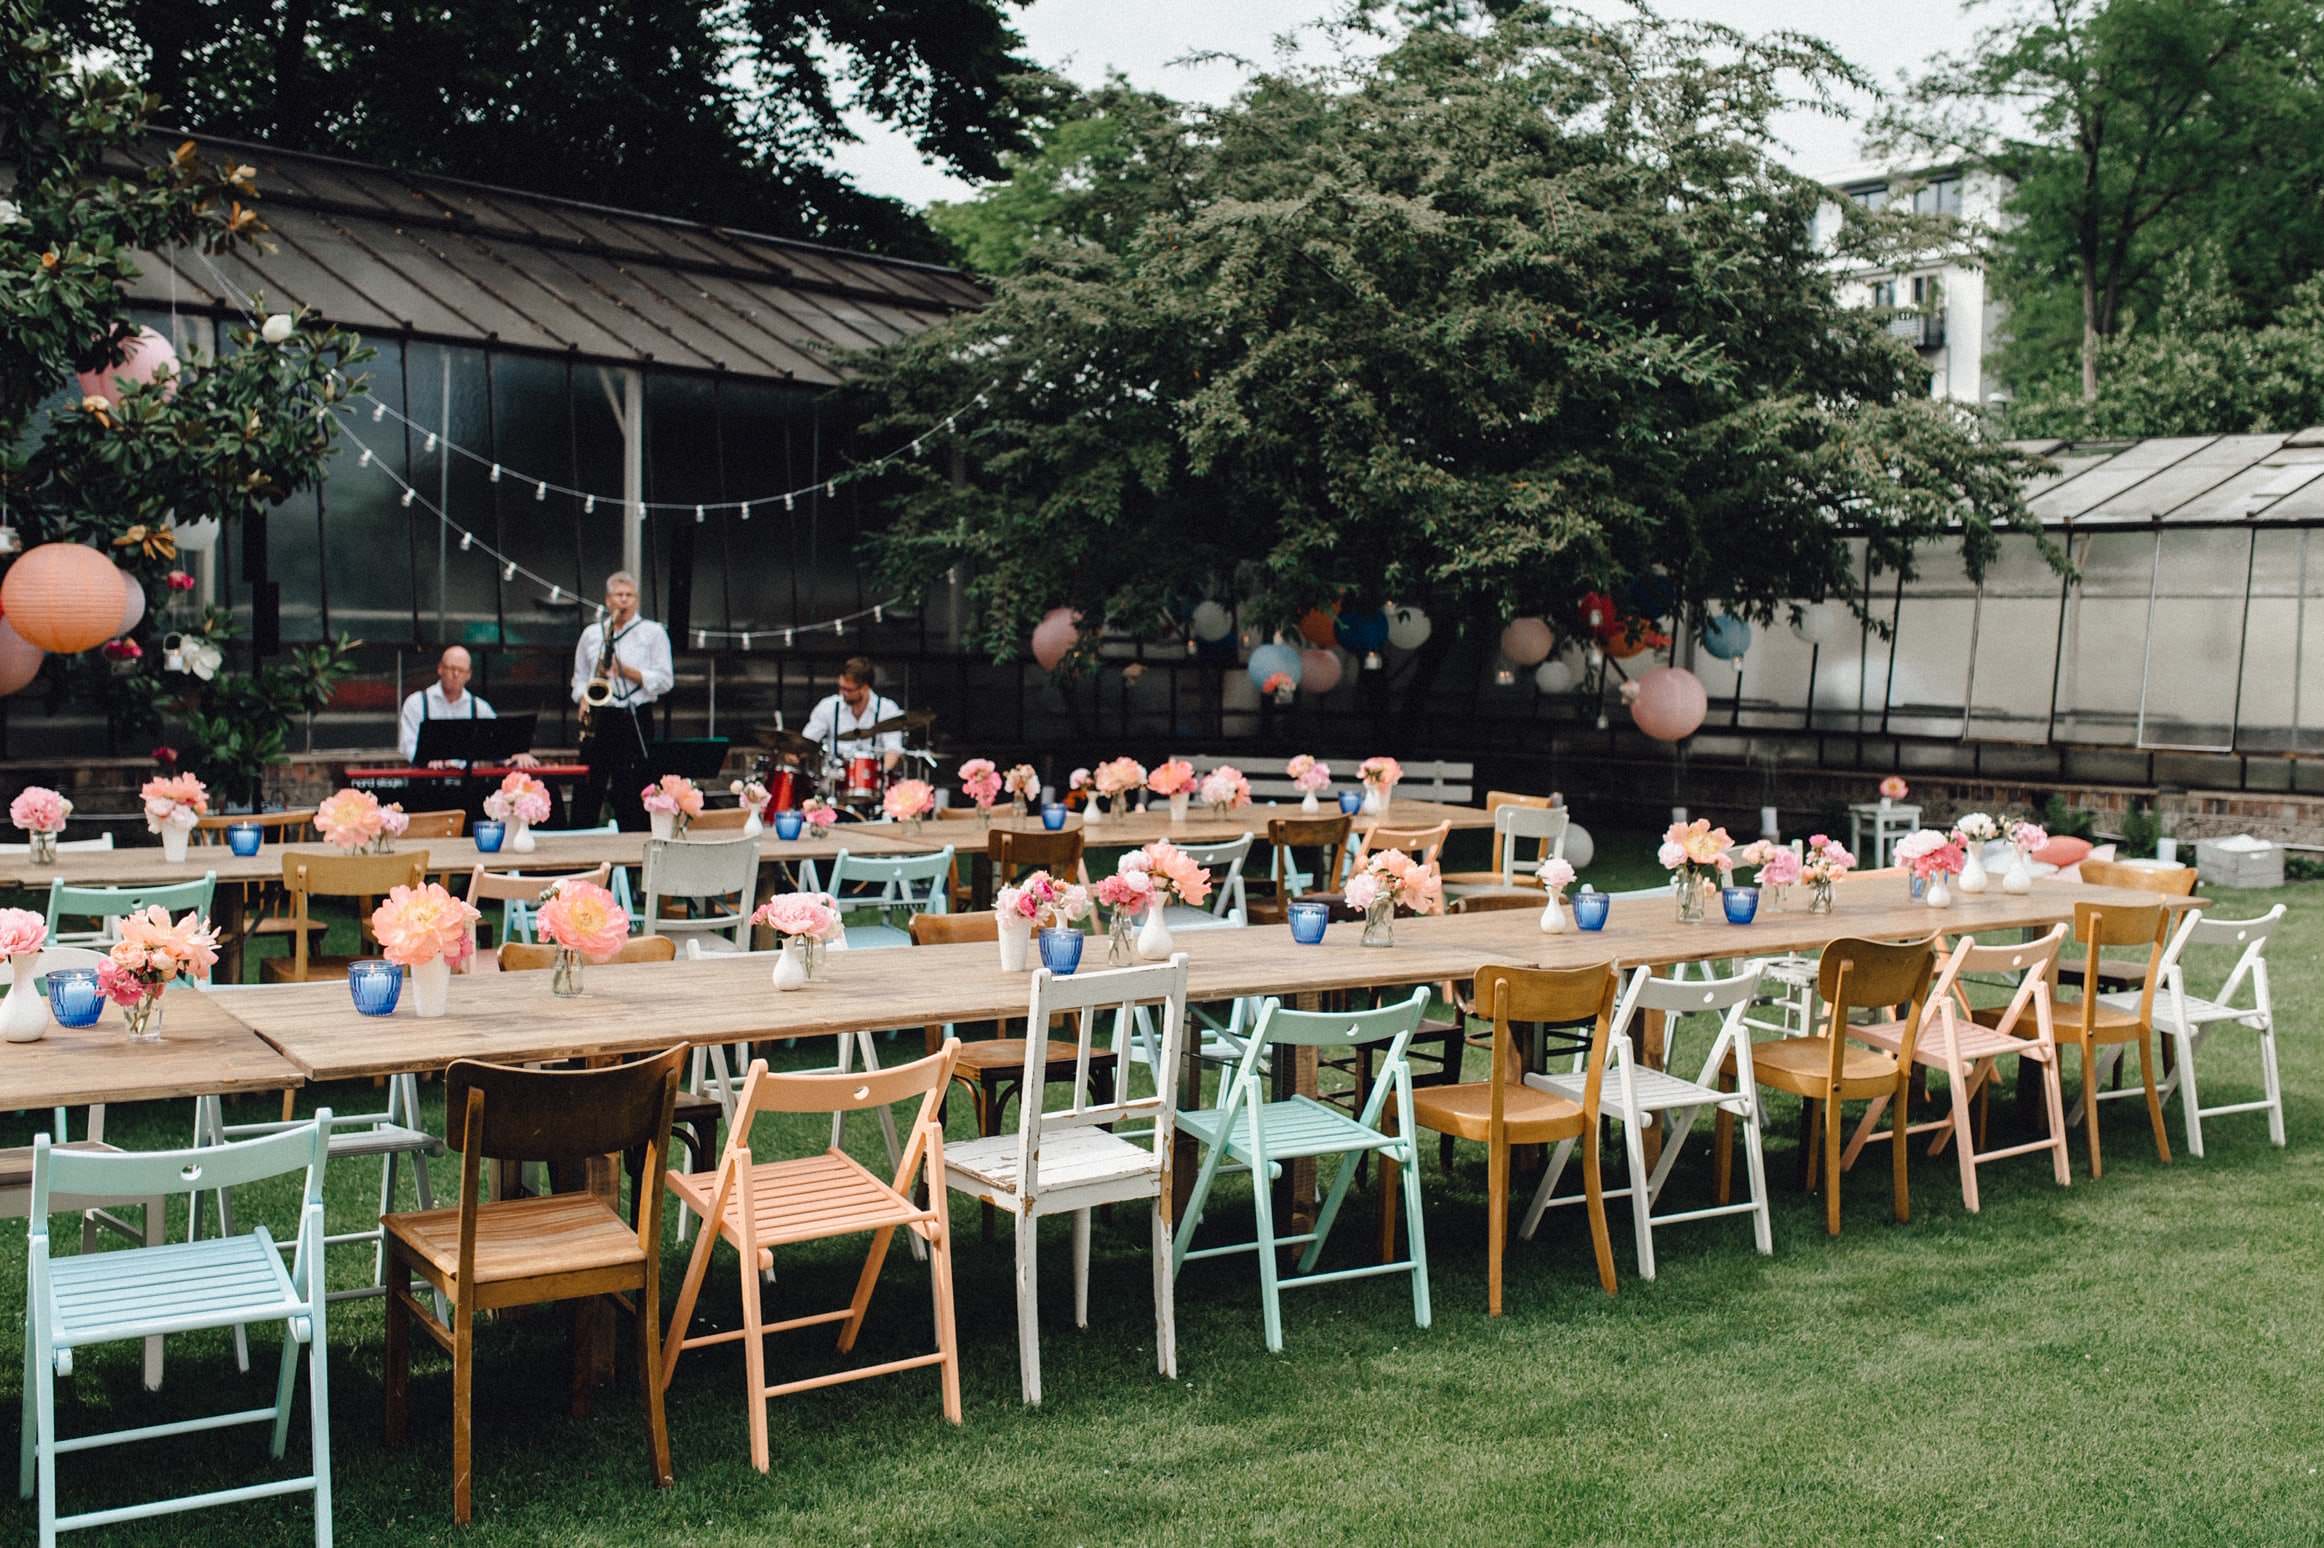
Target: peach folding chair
(1422,844)
(759,1206)
(517,895)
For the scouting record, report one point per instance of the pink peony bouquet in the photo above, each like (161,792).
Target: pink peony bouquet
(1927,853)
(520,798)
(1161,871)
(673,794)
(1556,874)
(1309,773)
(2026,837)
(1043,902)
(980,781)
(154,950)
(1172,776)
(420,924)
(811,916)
(394,820)
(1696,850)
(1224,789)
(350,819)
(1894,788)
(22,932)
(1380,773)
(818,812)
(749,794)
(1023,783)
(1077,780)
(584,917)
(1401,880)
(908,800)
(177,800)
(1781,868)
(1826,860)
(38,809)
(1118,777)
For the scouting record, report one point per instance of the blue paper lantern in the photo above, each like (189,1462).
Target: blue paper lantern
(1652,594)
(1363,629)
(1726,637)
(1270,659)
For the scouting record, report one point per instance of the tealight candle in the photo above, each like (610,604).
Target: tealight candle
(1591,908)
(74,996)
(243,838)
(376,985)
(489,835)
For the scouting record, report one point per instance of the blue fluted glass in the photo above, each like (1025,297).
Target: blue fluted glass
(788,824)
(1742,904)
(1308,921)
(243,838)
(1350,802)
(1061,951)
(1591,909)
(376,984)
(74,997)
(488,836)
(1053,817)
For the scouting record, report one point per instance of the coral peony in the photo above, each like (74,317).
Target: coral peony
(420,924)
(909,798)
(585,918)
(811,915)
(22,932)
(1170,776)
(349,819)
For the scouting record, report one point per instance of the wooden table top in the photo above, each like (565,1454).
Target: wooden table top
(203,1051)
(1204,827)
(641,1007)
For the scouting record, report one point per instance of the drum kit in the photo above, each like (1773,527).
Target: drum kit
(794,768)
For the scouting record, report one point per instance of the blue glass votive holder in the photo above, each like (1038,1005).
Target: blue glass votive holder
(1053,817)
(243,837)
(788,824)
(1061,951)
(74,997)
(1916,886)
(488,836)
(1308,921)
(1591,909)
(376,984)
(1742,904)
(1351,803)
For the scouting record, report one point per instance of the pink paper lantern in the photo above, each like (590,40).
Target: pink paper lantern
(1319,671)
(1671,703)
(1527,641)
(1054,636)
(19,660)
(146,356)
(132,603)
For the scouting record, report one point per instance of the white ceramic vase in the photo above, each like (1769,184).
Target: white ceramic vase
(2018,879)
(1375,801)
(431,987)
(752,826)
(1154,941)
(1553,916)
(1016,939)
(1939,895)
(1178,805)
(24,1014)
(1973,874)
(790,967)
(173,842)
(1094,812)
(1309,805)
(520,837)
(663,823)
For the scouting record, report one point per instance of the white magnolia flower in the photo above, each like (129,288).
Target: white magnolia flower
(203,659)
(277,329)
(10,212)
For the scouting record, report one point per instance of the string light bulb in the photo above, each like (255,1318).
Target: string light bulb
(789,501)
(589,506)
(831,490)
(786,638)
(508,571)
(746,510)
(364,461)
(700,639)
(838,628)
(556,595)
(494,476)
(880,613)
(378,412)
(467,541)
(429,445)
(406,501)
(699,518)
(540,493)
(746,641)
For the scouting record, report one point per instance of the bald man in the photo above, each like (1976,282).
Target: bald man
(447,698)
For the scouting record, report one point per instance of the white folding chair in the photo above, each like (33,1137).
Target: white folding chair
(721,877)
(1637,1093)
(892,888)
(1227,907)
(2188,1020)
(1542,828)
(64,846)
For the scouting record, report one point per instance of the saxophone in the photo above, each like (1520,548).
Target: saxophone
(598,690)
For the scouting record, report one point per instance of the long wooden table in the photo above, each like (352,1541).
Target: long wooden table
(204,1051)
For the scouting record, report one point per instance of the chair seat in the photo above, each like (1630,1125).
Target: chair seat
(2113,1024)
(1801,1065)
(991,1055)
(1655,1091)
(801,1200)
(875,937)
(1296,1126)
(1465,1111)
(1070,1158)
(561,1233)
(1977,1040)
(213,1283)
(2200,1012)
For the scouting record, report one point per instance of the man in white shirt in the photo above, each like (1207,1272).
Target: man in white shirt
(853,707)
(640,673)
(447,698)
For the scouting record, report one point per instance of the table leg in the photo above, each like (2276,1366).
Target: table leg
(232,909)
(1296,1074)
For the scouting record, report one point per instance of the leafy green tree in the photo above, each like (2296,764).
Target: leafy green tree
(727,111)
(2131,131)
(1515,310)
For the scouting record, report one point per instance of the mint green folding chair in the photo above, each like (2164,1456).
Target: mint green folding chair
(106,904)
(1258,1135)
(138,1292)
(900,887)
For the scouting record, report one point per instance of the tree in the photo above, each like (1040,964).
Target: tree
(2132,130)
(725,112)
(1513,311)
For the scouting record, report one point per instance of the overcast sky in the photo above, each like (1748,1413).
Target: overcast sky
(1083,39)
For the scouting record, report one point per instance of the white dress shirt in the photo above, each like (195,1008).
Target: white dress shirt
(832,718)
(430,704)
(640,643)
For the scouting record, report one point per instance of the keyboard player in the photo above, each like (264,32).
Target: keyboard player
(448,698)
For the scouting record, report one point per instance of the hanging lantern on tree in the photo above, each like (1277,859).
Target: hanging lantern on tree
(1319,671)
(1362,632)
(63,597)
(1408,627)
(1212,622)
(1726,636)
(1527,641)
(1275,660)
(1816,624)
(1670,704)
(1054,636)
(1317,624)
(146,358)
(1554,676)
(132,602)
(19,660)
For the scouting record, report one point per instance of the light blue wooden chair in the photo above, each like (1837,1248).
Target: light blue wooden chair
(106,904)
(906,885)
(1260,1135)
(139,1292)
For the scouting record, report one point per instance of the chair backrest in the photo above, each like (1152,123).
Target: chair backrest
(720,819)
(1730,999)
(2170,881)
(532,956)
(1422,844)
(1548,997)
(1857,974)
(67,902)
(282,827)
(1392,1023)
(2247,937)
(147,1173)
(1328,836)
(1013,854)
(1158,987)
(1225,860)
(919,884)
(103,841)
(1543,827)
(2099,925)
(314,873)
(680,868)
(844,1091)
(2031,964)
(435,825)
(511,887)
(510,1113)
(952,929)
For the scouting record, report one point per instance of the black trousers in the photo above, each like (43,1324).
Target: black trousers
(616,755)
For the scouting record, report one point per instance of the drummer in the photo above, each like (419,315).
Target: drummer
(853,707)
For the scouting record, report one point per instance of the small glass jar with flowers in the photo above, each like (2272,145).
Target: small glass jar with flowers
(586,923)
(40,814)
(1023,784)
(1699,858)
(908,802)
(980,781)
(1224,790)
(1823,863)
(152,953)
(1388,881)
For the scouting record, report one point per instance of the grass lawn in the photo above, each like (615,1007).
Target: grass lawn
(2136,1361)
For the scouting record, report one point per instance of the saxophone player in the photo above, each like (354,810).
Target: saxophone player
(634,653)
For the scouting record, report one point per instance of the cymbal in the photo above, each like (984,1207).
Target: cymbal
(910,720)
(789,743)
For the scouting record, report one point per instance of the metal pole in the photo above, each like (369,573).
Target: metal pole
(633,471)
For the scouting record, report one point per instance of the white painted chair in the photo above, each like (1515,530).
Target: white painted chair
(2189,1020)
(180,1287)
(1637,1093)
(895,889)
(1534,828)
(1227,907)
(1074,1163)
(620,887)
(102,841)
(722,877)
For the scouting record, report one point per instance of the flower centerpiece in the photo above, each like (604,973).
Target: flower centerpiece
(1146,882)
(173,804)
(520,802)
(980,781)
(1224,790)
(429,931)
(907,801)
(1699,858)
(24,1014)
(1825,862)
(805,921)
(1113,780)
(818,812)
(40,814)
(1780,870)
(1312,775)
(585,923)
(1388,881)
(671,802)
(153,952)
(1908,852)
(1173,780)
(1893,789)
(1556,875)
(350,819)
(751,796)
(1025,908)
(1973,831)
(1023,783)
(2025,838)
(1379,776)
(394,822)
(1931,857)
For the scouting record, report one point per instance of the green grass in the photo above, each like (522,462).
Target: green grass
(2129,1361)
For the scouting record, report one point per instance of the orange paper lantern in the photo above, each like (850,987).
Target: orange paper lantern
(63,597)
(1316,627)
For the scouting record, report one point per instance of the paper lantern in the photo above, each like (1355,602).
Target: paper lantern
(1652,595)
(1580,848)
(1632,637)
(132,602)
(1598,615)
(1319,671)
(1408,628)
(19,661)
(1726,637)
(1363,630)
(1270,659)
(1670,704)
(1212,622)
(63,597)
(1554,676)
(144,358)
(1054,636)
(1816,624)
(1316,627)
(1526,641)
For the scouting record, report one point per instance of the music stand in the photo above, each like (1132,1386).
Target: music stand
(471,742)
(696,758)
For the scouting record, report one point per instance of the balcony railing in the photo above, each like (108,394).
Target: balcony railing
(1922,330)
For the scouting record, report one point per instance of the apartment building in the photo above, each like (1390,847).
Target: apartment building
(1943,306)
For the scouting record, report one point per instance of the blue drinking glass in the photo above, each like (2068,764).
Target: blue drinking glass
(1053,817)
(74,997)
(488,836)
(1591,909)
(1742,903)
(1916,887)
(1350,802)
(1307,922)
(1061,951)
(788,824)
(376,984)
(242,838)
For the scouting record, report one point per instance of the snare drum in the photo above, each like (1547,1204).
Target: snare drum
(863,777)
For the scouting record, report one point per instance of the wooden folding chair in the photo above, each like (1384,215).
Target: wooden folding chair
(518,895)
(435,825)
(1285,880)
(311,874)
